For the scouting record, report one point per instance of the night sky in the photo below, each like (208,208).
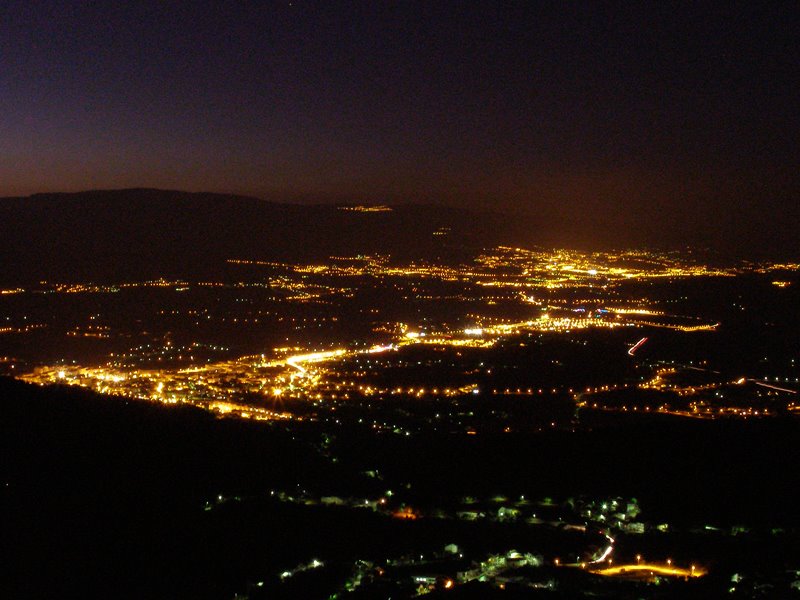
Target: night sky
(649,116)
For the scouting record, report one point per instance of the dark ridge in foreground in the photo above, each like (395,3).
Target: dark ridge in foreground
(136,233)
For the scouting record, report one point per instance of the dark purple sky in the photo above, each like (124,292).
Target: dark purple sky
(615,115)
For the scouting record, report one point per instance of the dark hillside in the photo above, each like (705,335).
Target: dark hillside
(141,233)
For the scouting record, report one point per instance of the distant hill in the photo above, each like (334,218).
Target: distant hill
(141,233)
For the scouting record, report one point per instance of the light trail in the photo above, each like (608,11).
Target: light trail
(606,553)
(743,380)
(774,387)
(636,346)
(691,368)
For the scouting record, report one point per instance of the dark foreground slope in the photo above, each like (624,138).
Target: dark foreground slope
(103,497)
(152,233)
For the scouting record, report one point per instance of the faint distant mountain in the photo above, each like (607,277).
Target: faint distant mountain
(142,233)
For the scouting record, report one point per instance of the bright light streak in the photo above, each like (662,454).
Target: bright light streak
(636,346)
(294,361)
(609,549)
(775,387)
(378,349)
(648,568)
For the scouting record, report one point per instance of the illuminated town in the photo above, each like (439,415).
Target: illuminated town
(506,296)
(514,342)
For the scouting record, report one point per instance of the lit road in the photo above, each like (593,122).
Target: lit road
(314,357)
(645,568)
